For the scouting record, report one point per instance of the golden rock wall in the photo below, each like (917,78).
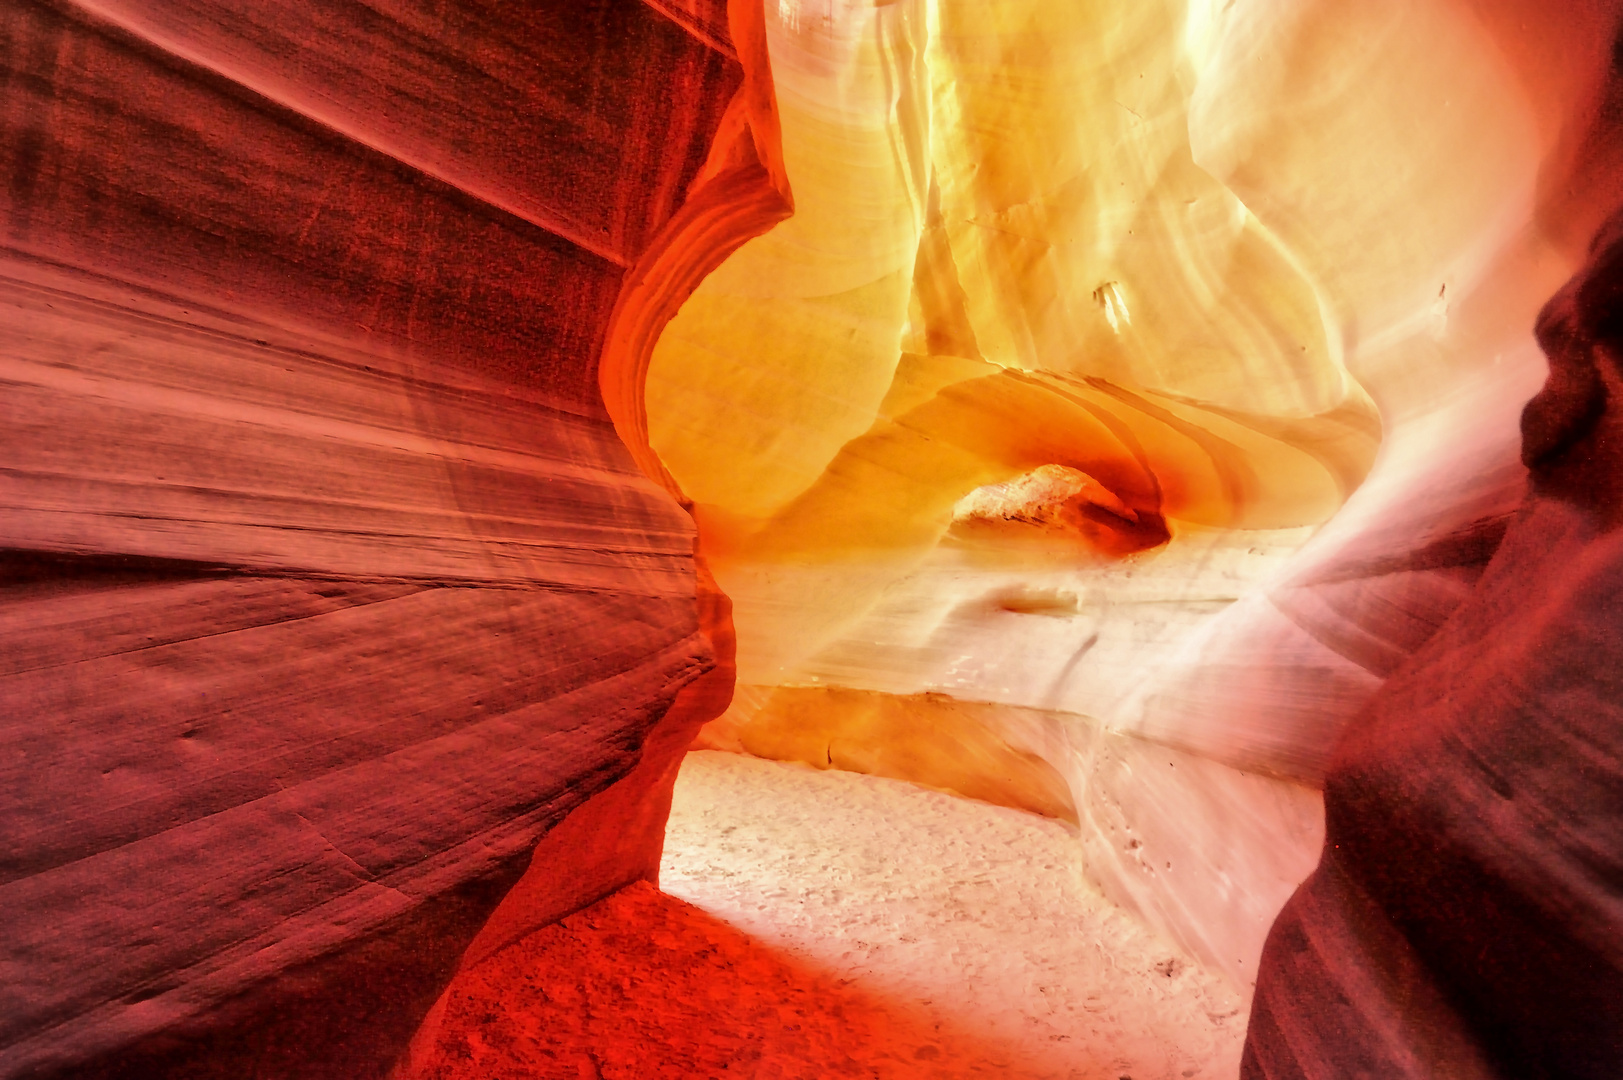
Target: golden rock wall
(1247,288)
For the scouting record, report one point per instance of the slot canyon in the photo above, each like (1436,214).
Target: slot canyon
(803,538)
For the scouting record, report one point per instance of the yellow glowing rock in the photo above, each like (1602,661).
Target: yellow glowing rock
(958,746)
(1035,224)
(1003,259)
(1088,242)
(785,352)
(1150,368)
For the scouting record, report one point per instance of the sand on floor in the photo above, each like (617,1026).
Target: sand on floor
(827,924)
(974,920)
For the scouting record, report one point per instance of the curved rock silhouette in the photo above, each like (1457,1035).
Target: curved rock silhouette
(328,587)
(1464,918)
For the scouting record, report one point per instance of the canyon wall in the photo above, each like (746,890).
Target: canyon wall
(1463,918)
(1134,390)
(328,586)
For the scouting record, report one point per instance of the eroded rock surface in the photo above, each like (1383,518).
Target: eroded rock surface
(1262,276)
(1464,918)
(327,583)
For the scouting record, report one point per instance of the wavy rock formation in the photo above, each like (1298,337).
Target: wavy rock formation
(327,585)
(1463,919)
(1134,391)
(1126,392)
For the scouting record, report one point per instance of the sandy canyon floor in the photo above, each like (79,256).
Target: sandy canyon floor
(818,924)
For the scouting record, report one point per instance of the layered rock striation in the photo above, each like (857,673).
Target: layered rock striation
(1134,391)
(328,586)
(1129,392)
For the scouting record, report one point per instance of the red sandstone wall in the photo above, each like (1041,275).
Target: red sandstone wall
(327,587)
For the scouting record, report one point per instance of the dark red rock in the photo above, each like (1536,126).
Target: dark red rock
(328,587)
(545,113)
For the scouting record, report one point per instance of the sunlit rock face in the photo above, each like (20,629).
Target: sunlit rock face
(1145,374)
(328,586)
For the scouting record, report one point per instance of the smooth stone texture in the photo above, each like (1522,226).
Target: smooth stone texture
(328,587)
(1264,272)
(1463,918)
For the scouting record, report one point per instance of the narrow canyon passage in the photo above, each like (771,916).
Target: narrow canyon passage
(1127,495)
(836,924)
